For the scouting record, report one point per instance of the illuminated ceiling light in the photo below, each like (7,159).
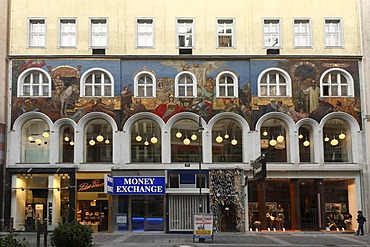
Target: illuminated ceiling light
(178,134)
(154,139)
(138,138)
(334,142)
(92,142)
(226,136)
(265,133)
(306,143)
(107,141)
(146,143)
(326,138)
(45,134)
(38,141)
(194,137)
(280,138)
(273,142)
(100,138)
(234,141)
(30,138)
(300,136)
(219,139)
(186,141)
(72,143)
(342,136)
(66,138)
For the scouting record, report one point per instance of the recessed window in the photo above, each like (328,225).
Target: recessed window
(99,33)
(185,85)
(68,33)
(145,33)
(225,33)
(98,141)
(336,82)
(302,33)
(37,33)
(333,33)
(227,85)
(97,82)
(34,83)
(271,33)
(337,141)
(274,82)
(145,85)
(185,33)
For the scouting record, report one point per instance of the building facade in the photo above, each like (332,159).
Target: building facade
(193,93)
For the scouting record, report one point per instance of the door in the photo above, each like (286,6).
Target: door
(228,219)
(147,213)
(309,205)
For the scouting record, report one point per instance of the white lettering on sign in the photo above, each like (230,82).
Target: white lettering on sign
(139,189)
(139,181)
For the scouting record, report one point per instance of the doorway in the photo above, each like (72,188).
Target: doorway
(228,219)
(309,205)
(147,213)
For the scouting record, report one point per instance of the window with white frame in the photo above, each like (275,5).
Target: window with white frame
(145,32)
(336,82)
(333,33)
(34,82)
(185,33)
(225,33)
(145,84)
(96,82)
(226,85)
(67,32)
(271,33)
(274,82)
(185,85)
(37,33)
(302,33)
(99,33)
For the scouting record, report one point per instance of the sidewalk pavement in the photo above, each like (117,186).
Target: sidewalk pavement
(258,239)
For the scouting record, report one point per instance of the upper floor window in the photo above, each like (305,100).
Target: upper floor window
(34,82)
(271,33)
(37,33)
(66,144)
(185,85)
(145,33)
(226,85)
(274,82)
(98,141)
(145,84)
(97,82)
(333,33)
(302,33)
(185,33)
(67,32)
(99,33)
(225,33)
(336,82)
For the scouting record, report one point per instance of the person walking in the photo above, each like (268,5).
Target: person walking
(360,220)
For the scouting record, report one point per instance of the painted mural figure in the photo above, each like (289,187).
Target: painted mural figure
(208,91)
(322,109)
(313,93)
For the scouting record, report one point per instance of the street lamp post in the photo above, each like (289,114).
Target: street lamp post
(200,130)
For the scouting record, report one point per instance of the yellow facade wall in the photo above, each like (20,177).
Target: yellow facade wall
(248,16)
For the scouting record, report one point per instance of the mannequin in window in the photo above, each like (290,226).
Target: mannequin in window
(29,213)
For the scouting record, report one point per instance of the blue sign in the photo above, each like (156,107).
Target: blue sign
(108,184)
(139,185)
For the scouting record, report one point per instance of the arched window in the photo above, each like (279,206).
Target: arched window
(184,141)
(227,141)
(98,141)
(226,85)
(67,144)
(337,141)
(185,85)
(35,144)
(274,82)
(145,142)
(34,82)
(97,83)
(336,82)
(275,140)
(145,84)
(305,144)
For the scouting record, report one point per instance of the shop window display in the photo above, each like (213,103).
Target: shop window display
(93,213)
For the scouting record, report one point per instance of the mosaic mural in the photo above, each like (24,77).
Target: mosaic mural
(305,100)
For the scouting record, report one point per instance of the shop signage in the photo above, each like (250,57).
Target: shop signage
(259,169)
(108,184)
(203,226)
(142,185)
(50,218)
(90,185)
